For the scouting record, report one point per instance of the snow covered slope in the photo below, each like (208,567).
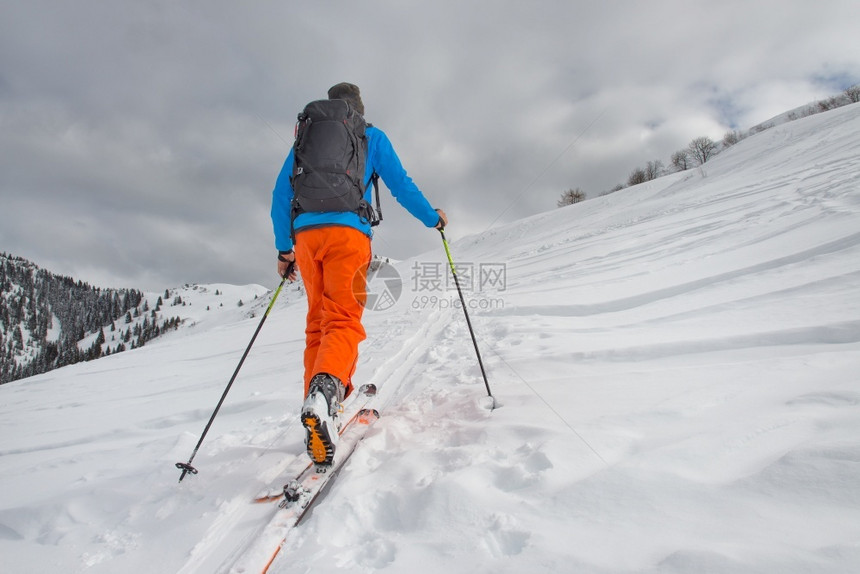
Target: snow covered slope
(678,368)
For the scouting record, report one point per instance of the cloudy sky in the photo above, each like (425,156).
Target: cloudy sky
(140,141)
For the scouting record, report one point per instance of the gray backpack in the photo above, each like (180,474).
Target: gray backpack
(329,155)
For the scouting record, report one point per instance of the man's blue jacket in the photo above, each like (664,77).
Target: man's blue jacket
(382,159)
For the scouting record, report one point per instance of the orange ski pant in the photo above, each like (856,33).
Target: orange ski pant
(333,262)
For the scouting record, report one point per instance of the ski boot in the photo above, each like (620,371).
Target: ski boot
(320,417)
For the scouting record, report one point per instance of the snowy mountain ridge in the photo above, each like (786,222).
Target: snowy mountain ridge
(676,367)
(49,321)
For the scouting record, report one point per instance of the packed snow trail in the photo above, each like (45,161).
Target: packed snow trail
(221,548)
(676,366)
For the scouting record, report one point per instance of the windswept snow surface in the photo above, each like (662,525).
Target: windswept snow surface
(677,367)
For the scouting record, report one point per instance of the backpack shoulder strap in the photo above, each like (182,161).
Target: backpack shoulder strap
(374,178)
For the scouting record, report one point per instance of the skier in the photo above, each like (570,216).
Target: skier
(332,250)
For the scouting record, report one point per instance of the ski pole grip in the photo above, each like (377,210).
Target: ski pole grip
(290,267)
(443,221)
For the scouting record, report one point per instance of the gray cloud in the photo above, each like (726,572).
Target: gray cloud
(139,142)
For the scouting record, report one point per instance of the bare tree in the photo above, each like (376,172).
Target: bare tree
(653,169)
(637,176)
(702,149)
(731,138)
(853,93)
(830,103)
(571,196)
(681,160)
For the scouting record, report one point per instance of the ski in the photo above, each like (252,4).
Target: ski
(301,465)
(299,495)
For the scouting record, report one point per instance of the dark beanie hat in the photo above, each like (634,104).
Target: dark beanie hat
(348,92)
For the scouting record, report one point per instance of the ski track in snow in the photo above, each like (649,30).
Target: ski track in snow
(676,368)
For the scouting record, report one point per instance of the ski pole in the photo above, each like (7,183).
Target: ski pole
(186,467)
(466,312)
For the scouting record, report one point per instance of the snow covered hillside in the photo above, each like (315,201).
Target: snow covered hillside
(677,364)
